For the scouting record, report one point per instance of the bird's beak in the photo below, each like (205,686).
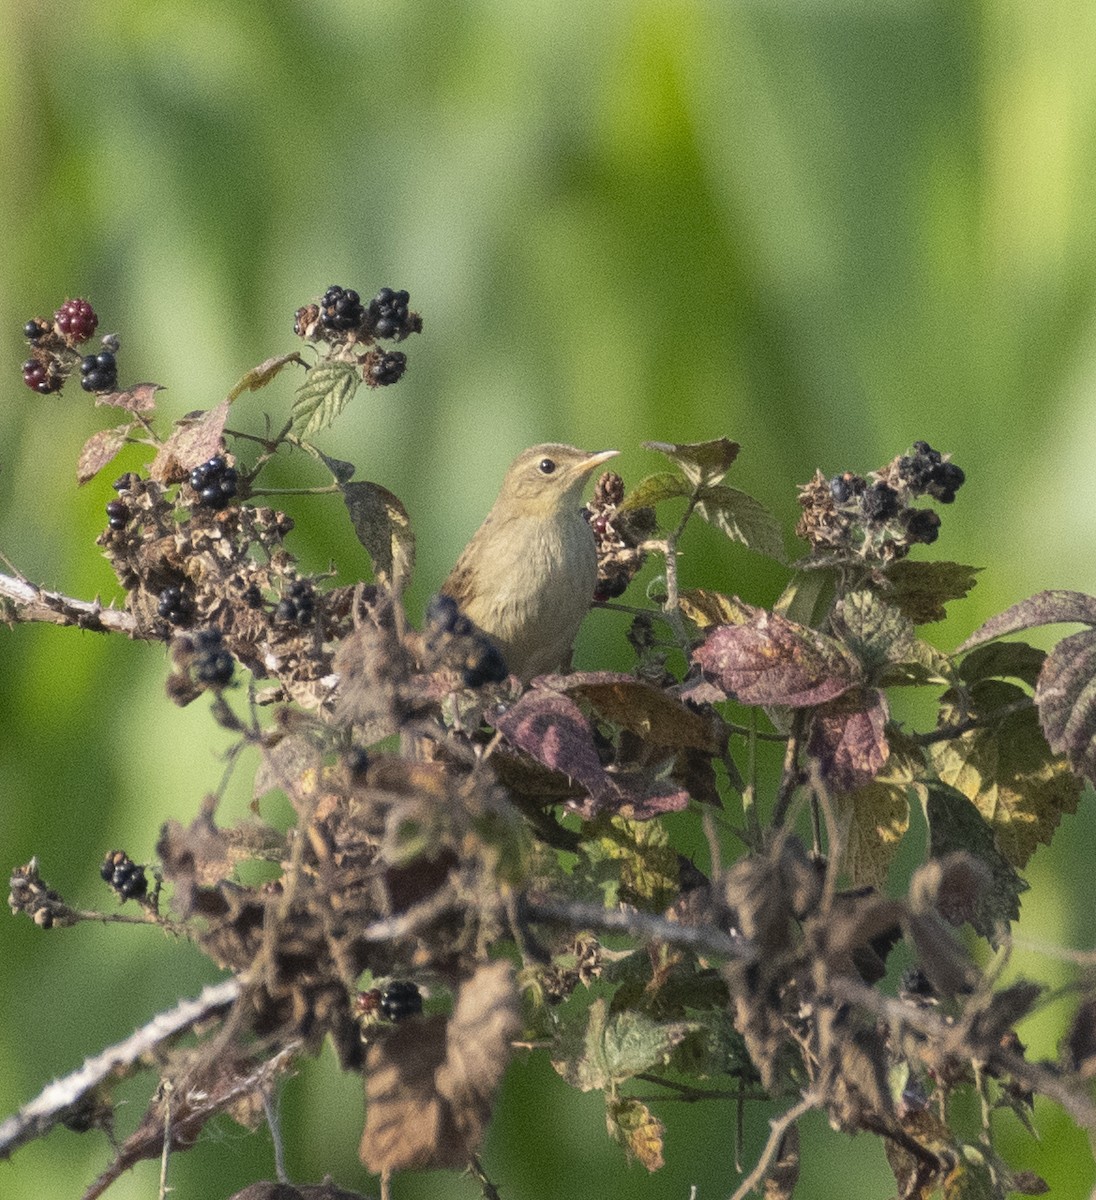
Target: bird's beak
(595,460)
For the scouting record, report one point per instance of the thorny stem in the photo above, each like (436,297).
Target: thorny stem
(779,1126)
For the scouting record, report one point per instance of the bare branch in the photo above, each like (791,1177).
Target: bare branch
(21,600)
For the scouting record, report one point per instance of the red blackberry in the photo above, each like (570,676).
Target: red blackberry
(41,377)
(99,372)
(400,1000)
(341,310)
(76,321)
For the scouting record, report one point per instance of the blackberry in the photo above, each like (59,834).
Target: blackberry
(879,502)
(124,875)
(387,315)
(41,377)
(443,615)
(99,372)
(298,605)
(357,762)
(483,663)
(914,985)
(213,663)
(175,606)
(341,310)
(945,481)
(844,487)
(126,482)
(215,482)
(117,514)
(922,525)
(400,1000)
(76,321)
(387,368)
(36,329)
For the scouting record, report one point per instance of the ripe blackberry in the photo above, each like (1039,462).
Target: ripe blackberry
(922,525)
(387,315)
(387,368)
(844,487)
(41,377)
(175,606)
(341,310)
(357,762)
(117,514)
(213,663)
(879,502)
(124,875)
(483,663)
(400,1000)
(945,481)
(99,372)
(443,615)
(298,605)
(215,482)
(76,321)
(36,329)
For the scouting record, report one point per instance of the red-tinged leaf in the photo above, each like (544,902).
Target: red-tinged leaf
(1066,701)
(1045,608)
(552,729)
(141,398)
(99,450)
(699,462)
(261,375)
(193,442)
(384,529)
(644,709)
(847,738)
(774,661)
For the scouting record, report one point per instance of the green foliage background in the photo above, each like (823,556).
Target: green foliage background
(825,229)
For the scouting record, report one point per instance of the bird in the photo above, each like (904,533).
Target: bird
(527,577)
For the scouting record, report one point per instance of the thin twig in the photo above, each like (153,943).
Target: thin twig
(779,1126)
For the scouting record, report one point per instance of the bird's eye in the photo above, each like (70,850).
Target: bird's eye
(546,466)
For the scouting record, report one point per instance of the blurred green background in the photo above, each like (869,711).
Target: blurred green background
(824,228)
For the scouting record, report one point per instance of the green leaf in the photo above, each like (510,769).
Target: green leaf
(326,391)
(877,816)
(664,485)
(261,375)
(384,529)
(743,519)
(876,632)
(808,597)
(1003,660)
(699,462)
(706,609)
(921,589)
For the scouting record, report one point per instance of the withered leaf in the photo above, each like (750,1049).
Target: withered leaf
(99,450)
(637,1129)
(430,1083)
(1052,607)
(699,462)
(384,529)
(771,660)
(193,442)
(706,609)
(292,765)
(261,375)
(1064,698)
(783,1175)
(876,816)
(921,589)
(847,738)
(141,398)
(326,391)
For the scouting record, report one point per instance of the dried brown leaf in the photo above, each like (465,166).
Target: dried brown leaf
(193,442)
(847,738)
(141,398)
(99,450)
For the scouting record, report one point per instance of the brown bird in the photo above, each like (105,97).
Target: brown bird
(527,577)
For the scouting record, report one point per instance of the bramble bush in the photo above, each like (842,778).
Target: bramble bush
(478,863)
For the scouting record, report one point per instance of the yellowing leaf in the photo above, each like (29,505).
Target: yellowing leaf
(632,1124)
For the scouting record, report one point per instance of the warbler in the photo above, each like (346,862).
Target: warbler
(527,577)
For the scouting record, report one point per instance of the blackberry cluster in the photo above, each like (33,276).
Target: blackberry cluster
(41,377)
(215,482)
(99,372)
(298,605)
(927,473)
(400,1000)
(175,606)
(340,310)
(384,368)
(75,321)
(388,317)
(213,663)
(117,514)
(453,640)
(124,875)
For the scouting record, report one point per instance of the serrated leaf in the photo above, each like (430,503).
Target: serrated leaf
(1008,771)
(773,661)
(955,824)
(141,398)
(261,375)
(847,738)
(699,462)
(664,485)
(99,450)
(632,1124)
(1046,608)
(1066,702)
(706,609)
(618,1047)
(876,632)
(743,519)
(327,390)
(921,589)
(647,865)
(384,529)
